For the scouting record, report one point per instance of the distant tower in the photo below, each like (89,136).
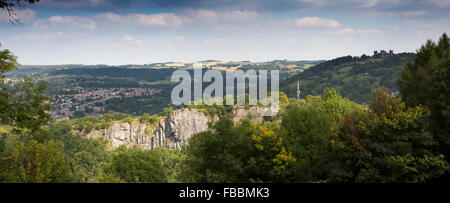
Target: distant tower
(298,90)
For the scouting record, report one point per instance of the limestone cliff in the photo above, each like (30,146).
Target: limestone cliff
(175,130)
(255,113)
(134,133)
(171,132)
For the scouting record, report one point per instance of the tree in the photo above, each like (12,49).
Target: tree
(36,163)
(282,98)
(172,160)
(307,134)
(242,153)
(87,157)
(426,82)
(336,106)
(23,105)
(10,5)
(272,157)
(219,155)
(137,166)
(391,143)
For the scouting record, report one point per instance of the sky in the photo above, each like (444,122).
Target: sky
(116,32)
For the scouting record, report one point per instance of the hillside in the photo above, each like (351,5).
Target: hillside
(93,90)
(353,77)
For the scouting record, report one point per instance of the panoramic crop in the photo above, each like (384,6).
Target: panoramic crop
(224,91)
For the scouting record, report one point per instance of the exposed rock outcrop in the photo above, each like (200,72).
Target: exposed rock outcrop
(171,132)
(128,134)
(255,113)
(175,130)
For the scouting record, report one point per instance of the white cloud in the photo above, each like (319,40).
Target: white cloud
(160,19)
(129,38)
(316,22)
(442,3)
(414,13)
(189,17)
(73,22)
(355,4)
(109,16)
(201,15)
(239,16)
(34,36)
(345,31)
(179,38)
(24,16)
(369,31)
(146,20)
(234,16)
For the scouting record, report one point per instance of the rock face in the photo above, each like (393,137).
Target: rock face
(175,130)
(255,113)
(128,134)
(171,132)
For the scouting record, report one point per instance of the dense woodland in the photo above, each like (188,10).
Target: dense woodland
(149,75)
(354,77)
(320,139)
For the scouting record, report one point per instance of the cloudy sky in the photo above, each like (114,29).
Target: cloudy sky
(147,31)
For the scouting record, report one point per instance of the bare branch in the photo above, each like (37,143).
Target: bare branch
(12,16)
(9,5)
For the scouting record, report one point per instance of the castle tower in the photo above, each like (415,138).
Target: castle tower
(298,90)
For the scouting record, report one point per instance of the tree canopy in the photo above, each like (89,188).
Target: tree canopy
(425,81)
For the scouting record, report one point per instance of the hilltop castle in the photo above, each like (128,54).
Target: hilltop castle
(383,54)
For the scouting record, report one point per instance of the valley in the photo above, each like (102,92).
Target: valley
(80,90)
(229,98)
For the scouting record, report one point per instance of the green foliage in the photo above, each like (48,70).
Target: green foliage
(425,82)
(137,166)
(242,153)
(172,161)
(151,120)
(23,105)
(87,157)
(89,123)
(8,62)
(392,143)
(335,106)
(212,110)
(166,111)
(133,74)
(324,138)
(138,105)
(307,131)
(25,155)
(270,146)
(354,77)
(35,163)
(282,98)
